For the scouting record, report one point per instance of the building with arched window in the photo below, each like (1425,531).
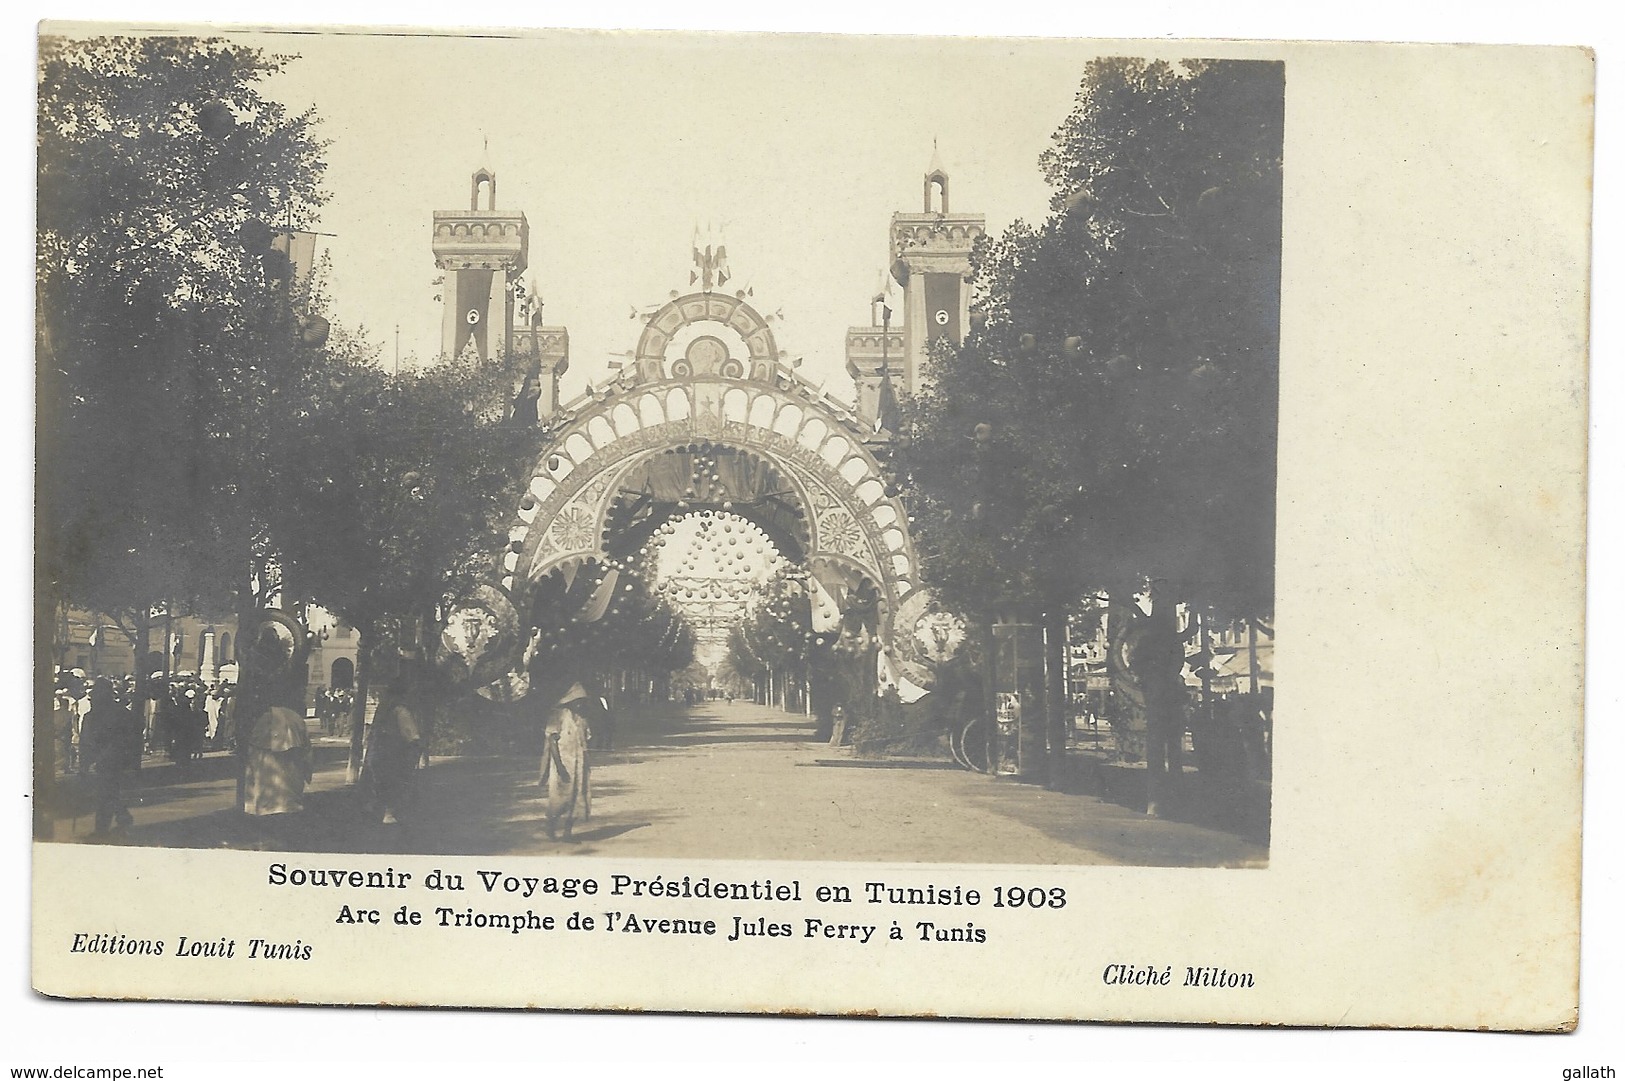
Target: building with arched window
(100,645)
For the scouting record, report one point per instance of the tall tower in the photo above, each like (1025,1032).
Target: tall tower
(547,353)
(931,261)
(874,359)
(482,253)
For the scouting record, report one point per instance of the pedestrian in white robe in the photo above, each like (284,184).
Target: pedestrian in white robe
(566,773)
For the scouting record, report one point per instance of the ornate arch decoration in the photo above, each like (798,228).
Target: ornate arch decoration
(657,488)
(831,481)
(732,312)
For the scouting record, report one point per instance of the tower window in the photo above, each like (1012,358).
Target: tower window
(488,180)
(936,191)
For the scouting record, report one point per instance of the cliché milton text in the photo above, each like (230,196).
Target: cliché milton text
(1195,976)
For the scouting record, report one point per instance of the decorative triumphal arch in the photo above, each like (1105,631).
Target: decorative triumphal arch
(778,451)
(706,418)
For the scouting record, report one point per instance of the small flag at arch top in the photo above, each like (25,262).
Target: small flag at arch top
(882,297)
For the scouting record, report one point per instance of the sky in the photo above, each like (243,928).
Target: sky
(793,150)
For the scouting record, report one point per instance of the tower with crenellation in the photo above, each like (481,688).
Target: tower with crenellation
(482,251)
(930,260)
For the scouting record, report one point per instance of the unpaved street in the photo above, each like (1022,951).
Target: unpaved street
(719,780)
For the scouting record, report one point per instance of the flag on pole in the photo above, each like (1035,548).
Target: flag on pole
(599,604)
(883,298)
(300,248)
(710,263)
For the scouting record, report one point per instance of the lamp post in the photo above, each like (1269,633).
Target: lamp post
(982,436)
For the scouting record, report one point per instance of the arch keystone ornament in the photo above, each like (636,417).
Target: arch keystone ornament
(707,388)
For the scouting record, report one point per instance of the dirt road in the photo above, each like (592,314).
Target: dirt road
(720,780)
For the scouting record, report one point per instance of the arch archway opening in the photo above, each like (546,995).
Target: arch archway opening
(707,479)
(712,567)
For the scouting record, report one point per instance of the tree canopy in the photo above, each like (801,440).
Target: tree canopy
(1112,413)
(632,628)
(163,320)
(393,488)
(201,430)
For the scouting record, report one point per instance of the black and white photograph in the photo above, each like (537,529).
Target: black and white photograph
(802,524)
(669,470)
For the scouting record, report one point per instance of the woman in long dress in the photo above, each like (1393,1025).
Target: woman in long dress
(566,773)
(278,763)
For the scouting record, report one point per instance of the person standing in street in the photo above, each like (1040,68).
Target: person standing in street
(396,749)
(211,713)
(64,715)
(565,768)
(193,722)
(79,691)
(172,722)
(278,765)
(110,741)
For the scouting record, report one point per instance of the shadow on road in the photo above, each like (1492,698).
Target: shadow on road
(714,780)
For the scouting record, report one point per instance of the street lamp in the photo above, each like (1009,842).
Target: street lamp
(982,438)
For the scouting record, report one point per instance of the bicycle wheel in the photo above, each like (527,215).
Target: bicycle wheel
(973,744)
(956,748)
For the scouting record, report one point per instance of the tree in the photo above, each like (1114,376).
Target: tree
(393,495)
(1112,414)
(159,327)
(162,331)
(1124,356)
(638,634)
(775,640)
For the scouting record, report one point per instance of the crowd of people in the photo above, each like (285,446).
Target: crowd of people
(100,737)
(106,725)
(333,706)
(182,718)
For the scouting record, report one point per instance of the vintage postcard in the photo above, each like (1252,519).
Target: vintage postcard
(791,523)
